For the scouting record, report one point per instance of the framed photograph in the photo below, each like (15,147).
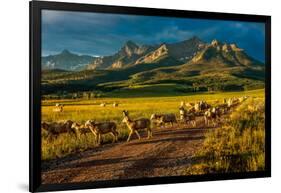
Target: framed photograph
(126,96)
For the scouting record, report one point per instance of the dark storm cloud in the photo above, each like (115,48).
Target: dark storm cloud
(103,34)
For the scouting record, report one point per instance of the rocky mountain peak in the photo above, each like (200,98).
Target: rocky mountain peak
(131,44)
(215,43)
(195,39)
(234,47)
(66,60)
(65,52)
(129,48)
(223,54)
(163,47)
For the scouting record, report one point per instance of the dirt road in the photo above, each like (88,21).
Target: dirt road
(168,153)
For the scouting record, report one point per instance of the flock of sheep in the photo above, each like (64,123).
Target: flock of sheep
(189,113)
(59,107)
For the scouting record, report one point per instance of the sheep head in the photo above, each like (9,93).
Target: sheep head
(125,113)
(90,123)
(153,116)
(74,125)
(44,125)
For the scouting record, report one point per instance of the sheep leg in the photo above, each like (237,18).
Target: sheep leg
(99,138)
(138,134)
(114,138)
(214,122)
(149,133)
(131,132)
(78,135)
(182,121)
(96,138)
(185,122)
(94,133)
(206,121)
(74,133)
(56,136)
(193,123)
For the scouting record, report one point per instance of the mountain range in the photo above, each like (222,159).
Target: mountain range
(130,54)
(190,63)
(66,61)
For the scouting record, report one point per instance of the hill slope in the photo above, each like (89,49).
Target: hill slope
(187,66)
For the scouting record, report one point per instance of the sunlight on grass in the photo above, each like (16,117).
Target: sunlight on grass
(82,110)
(238,146)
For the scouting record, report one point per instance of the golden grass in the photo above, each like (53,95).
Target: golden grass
(82,110)
(238,146)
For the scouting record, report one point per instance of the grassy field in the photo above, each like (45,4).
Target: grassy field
(82,110)
(237,146)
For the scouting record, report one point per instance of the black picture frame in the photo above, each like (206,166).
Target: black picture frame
(35,95)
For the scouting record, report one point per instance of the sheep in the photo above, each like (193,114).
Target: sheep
(102,104)
(197,107)
(102,128)
(217,111)
(56,128)
(164,118)
(183,113)
(235,101)
(223,108)
(136,125)
(115,104)
(209,116)
(229,102)
(182,104)
(212,114)
(191,110)
(201,106)
(186,116)
(58,108)
(80,129)
(189,105)
(232,102)
(204,105)
(241,99)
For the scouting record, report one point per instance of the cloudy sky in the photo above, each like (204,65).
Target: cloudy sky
(102,34)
